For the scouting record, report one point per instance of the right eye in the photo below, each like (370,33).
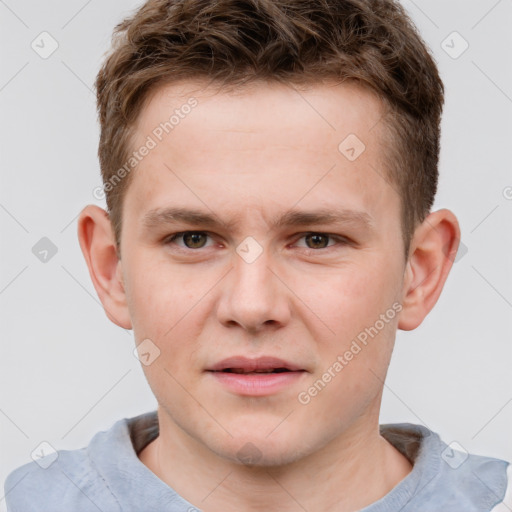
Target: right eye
(191,239)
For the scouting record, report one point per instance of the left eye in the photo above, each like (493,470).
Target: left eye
(198,240)
(317,240)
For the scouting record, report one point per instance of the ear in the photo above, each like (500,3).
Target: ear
(99,249)
(433,250)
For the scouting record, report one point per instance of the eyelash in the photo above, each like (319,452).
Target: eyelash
(341,240)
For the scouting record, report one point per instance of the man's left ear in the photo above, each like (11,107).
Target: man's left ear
(432,252)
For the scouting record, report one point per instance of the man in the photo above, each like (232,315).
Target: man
(269,169)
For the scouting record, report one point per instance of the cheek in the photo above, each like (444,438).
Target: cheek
(360,307)
(169,306)
(347,300)
(161,297)
(353,364)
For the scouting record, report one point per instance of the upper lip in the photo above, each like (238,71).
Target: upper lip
(249,365)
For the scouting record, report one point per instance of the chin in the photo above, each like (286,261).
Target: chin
(258,450)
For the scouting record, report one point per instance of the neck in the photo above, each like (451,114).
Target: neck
(350,472)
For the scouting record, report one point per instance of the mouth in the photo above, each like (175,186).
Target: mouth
(262,364)
(263,376)
(247,372)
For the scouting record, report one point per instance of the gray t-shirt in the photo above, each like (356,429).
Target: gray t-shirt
(107,476)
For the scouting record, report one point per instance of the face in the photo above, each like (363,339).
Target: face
(258,238)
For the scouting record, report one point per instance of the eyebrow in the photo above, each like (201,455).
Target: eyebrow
(171,215)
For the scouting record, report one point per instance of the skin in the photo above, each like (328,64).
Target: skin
(250,156)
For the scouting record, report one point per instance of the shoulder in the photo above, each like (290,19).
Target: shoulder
(446,477)
(60,481)
(474,481)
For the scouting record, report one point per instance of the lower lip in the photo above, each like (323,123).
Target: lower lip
(257,384)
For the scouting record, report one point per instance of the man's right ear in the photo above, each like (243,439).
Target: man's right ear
(98,246)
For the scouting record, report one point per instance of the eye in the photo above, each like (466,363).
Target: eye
(198,240)
(191,239)
(320,240)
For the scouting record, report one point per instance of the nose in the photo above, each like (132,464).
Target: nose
(253,296)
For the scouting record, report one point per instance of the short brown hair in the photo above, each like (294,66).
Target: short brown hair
(232,42)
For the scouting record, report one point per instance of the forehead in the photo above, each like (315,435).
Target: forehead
(261,108)
(266,141)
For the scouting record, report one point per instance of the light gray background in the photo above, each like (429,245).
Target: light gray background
(67,372)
